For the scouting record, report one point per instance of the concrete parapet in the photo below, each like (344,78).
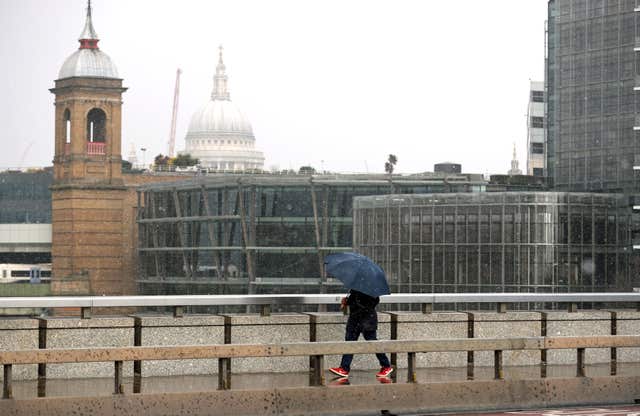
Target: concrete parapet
(507,325)
(331,327)
(64,332)
(628,323)
(421,326)
(87,333)
(273,329)
(573,324)
(187,330)
(20,334)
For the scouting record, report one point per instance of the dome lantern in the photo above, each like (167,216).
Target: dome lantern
(88,38)
(220,89)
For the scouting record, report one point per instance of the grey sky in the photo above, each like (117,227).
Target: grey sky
(334,84)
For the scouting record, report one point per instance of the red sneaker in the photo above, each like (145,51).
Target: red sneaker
(384,371)
(339,371)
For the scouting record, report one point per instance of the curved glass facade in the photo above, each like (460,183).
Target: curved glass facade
(497,242)
(258,233)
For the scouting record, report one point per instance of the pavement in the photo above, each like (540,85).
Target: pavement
(632,410)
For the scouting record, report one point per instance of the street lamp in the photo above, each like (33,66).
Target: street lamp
(143,150)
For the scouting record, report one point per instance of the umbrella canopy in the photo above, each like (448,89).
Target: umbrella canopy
(357,272)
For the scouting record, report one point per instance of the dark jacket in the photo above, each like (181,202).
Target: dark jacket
(362,310)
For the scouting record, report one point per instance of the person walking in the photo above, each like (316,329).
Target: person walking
(363,319)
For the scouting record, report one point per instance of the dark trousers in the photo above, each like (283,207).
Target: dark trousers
(354,329)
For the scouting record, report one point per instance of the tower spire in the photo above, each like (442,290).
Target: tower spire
(88,38)
(515,170)
(220,90)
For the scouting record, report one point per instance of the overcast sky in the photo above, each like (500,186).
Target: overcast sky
(333,84)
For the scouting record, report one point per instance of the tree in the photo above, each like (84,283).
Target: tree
(183,160)
(390,164)
(307,170)
(161,160)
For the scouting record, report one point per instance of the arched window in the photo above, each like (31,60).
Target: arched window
(67,126)
(96,126)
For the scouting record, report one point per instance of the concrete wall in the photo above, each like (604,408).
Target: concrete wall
(86,333)
(188,330)
(274,329)
(507,325)
(20,334)
(23,333)
(573,324)
(419,326)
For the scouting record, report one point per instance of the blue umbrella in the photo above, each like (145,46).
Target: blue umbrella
(357,272)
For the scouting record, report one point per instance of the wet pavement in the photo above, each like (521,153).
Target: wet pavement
(195,383)
(631,410)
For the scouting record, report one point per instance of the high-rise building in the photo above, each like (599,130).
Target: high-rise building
(535,130)
(591,113)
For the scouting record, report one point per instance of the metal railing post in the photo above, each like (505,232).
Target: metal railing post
(137,364)
(317,371)
(224,373)
(411,368)
(85,313)
(118,388)
(498,373)
(7,388)
(427,307)
(580,372)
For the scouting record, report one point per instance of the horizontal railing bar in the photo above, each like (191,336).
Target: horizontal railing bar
(310,299)
(77,355)
(189,219)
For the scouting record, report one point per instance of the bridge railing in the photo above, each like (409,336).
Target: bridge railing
(314,350)
(265,302)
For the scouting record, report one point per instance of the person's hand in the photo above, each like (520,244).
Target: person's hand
(343,304)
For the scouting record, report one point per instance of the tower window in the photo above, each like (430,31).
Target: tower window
(67,126)
(96,126)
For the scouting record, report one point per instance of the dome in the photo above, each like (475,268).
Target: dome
(219,116)
(219,134)
(89,60)
(88,63)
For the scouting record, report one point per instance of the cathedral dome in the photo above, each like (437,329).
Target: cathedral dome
(219,116)
(89,60)
(220,135)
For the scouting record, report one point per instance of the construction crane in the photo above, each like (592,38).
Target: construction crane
(174,115)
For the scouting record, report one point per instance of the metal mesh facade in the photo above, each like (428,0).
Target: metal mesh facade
(591,73)
(497,242)
(258,234)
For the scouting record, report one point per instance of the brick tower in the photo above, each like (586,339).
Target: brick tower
(88,193)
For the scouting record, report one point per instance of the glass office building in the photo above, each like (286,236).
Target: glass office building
(259,233)
(497,242)
(25,197)
(591,71)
